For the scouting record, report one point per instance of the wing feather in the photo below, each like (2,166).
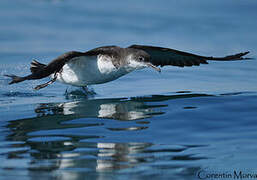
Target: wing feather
(104,50)
(114,52)
(165,56)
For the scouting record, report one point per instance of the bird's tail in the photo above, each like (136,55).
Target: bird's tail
(36,66)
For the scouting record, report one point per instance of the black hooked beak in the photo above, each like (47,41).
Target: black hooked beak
(153,66)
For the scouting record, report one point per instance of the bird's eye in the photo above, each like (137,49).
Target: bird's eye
(140,58)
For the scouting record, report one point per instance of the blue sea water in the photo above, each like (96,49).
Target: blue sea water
(171,125)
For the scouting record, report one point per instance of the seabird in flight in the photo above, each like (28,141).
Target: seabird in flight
(107,63)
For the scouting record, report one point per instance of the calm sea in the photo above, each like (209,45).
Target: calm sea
(184,123)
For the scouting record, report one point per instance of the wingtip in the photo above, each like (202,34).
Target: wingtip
(9,76)
(238,56)
(14,78)
(244,53)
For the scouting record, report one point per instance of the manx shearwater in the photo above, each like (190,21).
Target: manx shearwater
(107,63)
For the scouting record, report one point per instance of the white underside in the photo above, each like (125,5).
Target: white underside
(83,71)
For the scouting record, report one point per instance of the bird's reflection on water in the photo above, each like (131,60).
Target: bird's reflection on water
(71,135)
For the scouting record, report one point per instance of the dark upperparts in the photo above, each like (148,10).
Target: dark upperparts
(164,56)
(55,65)
(159,56)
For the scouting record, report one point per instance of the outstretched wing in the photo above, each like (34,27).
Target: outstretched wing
(114,54)
(164,56)
(56,64)
(39,71)
(105,50)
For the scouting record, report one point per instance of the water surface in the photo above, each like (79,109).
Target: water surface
(144,125)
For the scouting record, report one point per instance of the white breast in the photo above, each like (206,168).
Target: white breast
(82,71)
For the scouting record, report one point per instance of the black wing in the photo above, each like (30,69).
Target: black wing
(114,52)
(57,64)
(105,50)
(164,56)
(39,71)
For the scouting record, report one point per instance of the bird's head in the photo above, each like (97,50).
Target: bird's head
(139,59)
